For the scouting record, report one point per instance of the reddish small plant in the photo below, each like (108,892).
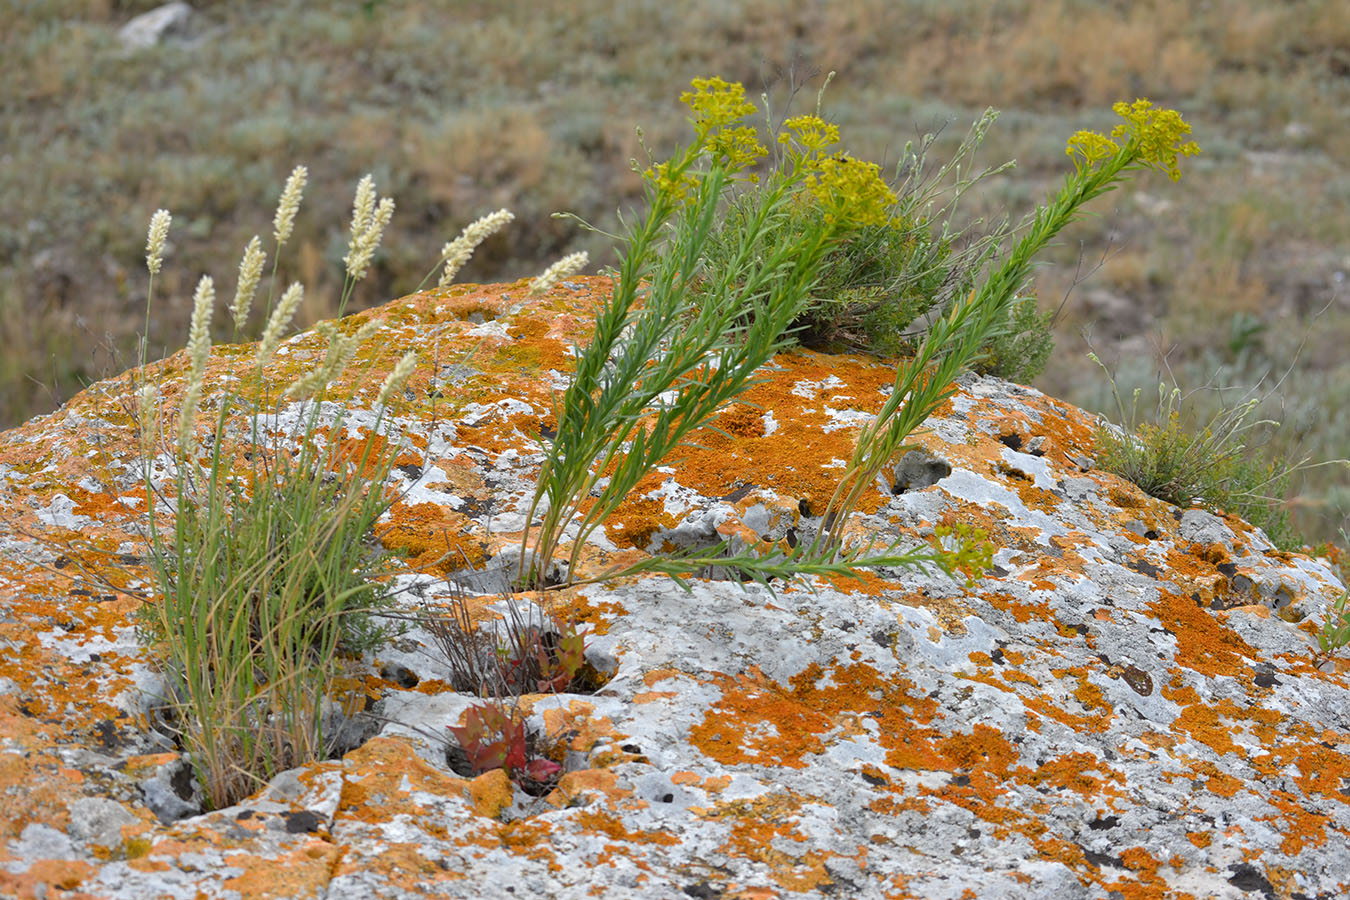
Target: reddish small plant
(525,656)
(544,660)
(494,738)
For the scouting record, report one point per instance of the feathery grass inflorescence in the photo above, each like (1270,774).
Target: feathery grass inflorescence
(157,234)
(278,322)
(283,223)
(369,219)
(560,271)
(456,253)
(198,351)
(250,274)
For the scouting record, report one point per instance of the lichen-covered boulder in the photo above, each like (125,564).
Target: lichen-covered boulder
(1126,706)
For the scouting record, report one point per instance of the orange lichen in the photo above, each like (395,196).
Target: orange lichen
(636,520)
(298,871)
(1203,644)
(610,826)
(982,748)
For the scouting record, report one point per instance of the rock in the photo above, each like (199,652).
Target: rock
(150,28)
(1126,705)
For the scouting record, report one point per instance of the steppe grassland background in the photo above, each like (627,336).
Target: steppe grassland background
(459,107)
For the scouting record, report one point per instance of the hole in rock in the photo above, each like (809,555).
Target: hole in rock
(916,470)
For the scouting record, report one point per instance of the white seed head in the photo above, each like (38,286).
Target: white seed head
(250,273)
(280,318)
(154,243)
(363,207)
(198,349)
(457,252)
(289,204)
(199,332)
(394,383)
(363,246)
(564,268)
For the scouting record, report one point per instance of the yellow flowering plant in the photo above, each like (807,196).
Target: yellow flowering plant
(897,255)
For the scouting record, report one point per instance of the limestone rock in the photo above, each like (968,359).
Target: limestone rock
(149,28)
(1125,706)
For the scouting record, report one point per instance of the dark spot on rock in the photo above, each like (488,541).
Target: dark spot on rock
(838,883)
(1101,824)
(998,572)
(1245,877)
(244,816)
(62,561)
(874,780)
(961,780)
(916,470)
(400,675)
(1151,535)
(631,748)
(804,506)
(1242,584)
(1265,676)
(738,493)
(182,782)
(1144,567)
(1102,859)
(476,507)
(107,734)
(130,559)
(80,592)
(302,821)
(1012,441)
(667,798)
(412,470)
(703,891)
(458,761)
(1138,679)
(1013,472)
(1227,568)
(997,656)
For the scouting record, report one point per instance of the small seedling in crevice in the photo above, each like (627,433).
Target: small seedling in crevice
(495,737)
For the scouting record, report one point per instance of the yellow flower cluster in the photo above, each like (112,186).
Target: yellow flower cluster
(850,191)
(716,103)
(1094,148)
(847,191)
(736,149)
(1151,136)
(810,133)
(1159,133)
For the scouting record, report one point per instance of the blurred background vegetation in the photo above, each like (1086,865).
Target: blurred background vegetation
(459,107)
